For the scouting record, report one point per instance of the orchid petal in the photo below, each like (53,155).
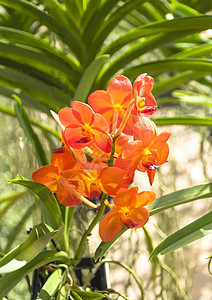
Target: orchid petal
(47,175)
(65,193)
(84,110)
(123,199)
(120,88)
(110,225)
(145,130)
(63,160)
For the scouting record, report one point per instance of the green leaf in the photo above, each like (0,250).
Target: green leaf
(174,81)
(41,16)
(135,51)
(25,38)
(35,122)
(53,213)
(56,71)
(50,287)
(104,246)
(32,137)
(31,247)
(9,281)
(183,120)
(109,24)
(97,19)
(17,229)
(186,235)
(178,24)
(197,192)
(88,78)
(87,295)
(173,65)
(41,92)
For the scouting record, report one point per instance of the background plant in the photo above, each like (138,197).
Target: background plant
(52,52)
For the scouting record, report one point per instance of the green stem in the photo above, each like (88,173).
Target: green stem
(69,213)
(83,240)
(128,269)
(111,159)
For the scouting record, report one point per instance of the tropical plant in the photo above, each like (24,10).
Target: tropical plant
(53,52)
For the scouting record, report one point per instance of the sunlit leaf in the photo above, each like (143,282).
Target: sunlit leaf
(197,192)
(37,239)
(9,281)
(49,201)
(104,246)
(186,235)
(51,285)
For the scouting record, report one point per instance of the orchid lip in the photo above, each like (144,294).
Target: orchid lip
(83,140)
(129,223)
(58,150)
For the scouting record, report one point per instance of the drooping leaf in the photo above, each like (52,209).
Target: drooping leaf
(50,287)
(9,281)
(183,120)
(49,201)
(197,192)
(88,78)
(88,295)
(104,246)
(32,137)
(37,239)
(186,235)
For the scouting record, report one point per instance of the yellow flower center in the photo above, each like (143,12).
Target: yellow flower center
(146,155)
(119,106)
(140,103)
(86,131)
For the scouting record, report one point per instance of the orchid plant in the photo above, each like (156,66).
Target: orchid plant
(97,130)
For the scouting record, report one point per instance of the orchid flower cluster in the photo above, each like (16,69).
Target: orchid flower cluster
(115,132)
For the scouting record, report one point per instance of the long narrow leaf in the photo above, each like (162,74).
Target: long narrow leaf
(183,120)
(30,248)
(9,281)
(47,198)
(88,78)
(186,235)
(95,22)
(176,80)
(136,51)
(187,195)
(156,67)
(104,246)
(35,88)
(45,19)
(25,38)
(39,61)
(32,137)
(178,24)
(110,24)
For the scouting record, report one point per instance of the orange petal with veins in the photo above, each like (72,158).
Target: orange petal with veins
(47,175)
(110,225)
(137,218)
(63,159)
(124,198)
(145,130)
(119,88)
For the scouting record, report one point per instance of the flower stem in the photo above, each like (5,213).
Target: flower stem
(83,240)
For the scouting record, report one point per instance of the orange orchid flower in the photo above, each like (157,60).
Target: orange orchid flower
(81,126)
(113,103)
(109,180)
(129,209)
(67,188)
(147,151)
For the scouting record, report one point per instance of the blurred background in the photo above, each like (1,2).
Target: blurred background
(52,52)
